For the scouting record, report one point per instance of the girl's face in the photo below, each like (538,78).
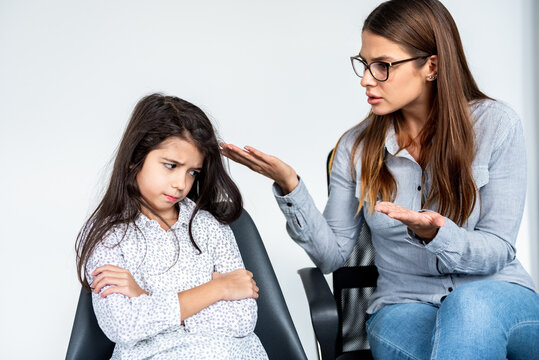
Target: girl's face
(407,86)
(167,176)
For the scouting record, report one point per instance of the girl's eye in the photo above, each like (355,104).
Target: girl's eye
(194,172)
(170,166)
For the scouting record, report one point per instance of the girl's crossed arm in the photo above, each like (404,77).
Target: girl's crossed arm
(128,314)
(236,315)
(122,315)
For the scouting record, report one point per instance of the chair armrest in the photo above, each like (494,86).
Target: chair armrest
(324,314)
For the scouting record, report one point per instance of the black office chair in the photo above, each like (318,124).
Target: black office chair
(339,318)
(274,326)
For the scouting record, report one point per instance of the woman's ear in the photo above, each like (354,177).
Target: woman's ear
(432,68)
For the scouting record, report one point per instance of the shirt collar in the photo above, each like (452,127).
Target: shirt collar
(392,146)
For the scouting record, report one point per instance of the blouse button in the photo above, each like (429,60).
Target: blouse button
(289,204)
(419,188)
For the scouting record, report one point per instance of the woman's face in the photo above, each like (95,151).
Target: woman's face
(407,86)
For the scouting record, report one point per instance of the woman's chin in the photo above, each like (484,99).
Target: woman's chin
(381,110)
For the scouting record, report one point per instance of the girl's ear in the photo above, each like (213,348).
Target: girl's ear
(131,166)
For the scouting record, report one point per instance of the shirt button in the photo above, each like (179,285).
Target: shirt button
(442,298)
(450,289)
(289,204)
(419,188)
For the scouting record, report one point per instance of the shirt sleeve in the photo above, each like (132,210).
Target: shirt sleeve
(129,320)
(490,246)
(328,238)
(235,318)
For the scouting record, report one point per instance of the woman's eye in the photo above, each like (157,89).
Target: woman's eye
(194,172)
(170,166)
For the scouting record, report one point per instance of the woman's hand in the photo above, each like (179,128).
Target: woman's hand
(423,224)
(270,166)
(121,280)
(237,284)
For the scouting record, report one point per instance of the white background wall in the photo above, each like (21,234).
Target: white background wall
(272,74)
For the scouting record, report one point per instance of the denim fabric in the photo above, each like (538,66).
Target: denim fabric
(477,321)
(410,270)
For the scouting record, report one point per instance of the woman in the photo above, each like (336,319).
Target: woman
(437,170)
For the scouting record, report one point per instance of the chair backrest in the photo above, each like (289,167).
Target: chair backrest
(352,292)
(274,327)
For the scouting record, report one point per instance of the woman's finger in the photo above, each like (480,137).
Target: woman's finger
(243,157)
(265,158)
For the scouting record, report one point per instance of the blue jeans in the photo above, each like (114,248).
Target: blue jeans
(484,319)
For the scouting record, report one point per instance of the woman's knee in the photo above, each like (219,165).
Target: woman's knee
(476,302)
(402,331)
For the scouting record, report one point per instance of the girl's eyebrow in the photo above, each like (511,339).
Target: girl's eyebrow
(172,161)
(178,163)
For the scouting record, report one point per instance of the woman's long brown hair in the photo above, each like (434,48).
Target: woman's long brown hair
(155,118)
(424,28)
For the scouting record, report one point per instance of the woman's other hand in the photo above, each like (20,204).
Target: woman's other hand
(270,166)
(121,281)
(423,224)
(237,284)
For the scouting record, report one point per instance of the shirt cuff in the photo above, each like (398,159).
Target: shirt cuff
(443,238)
(290,202)
(167,304)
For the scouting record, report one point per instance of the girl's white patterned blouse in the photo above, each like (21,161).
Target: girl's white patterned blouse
(164,263)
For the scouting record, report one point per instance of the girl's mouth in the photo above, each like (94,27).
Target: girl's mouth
(171,198)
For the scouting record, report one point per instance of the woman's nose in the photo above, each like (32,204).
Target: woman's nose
(368,79)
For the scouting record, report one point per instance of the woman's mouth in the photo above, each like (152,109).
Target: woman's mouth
(171,198)
(371,99)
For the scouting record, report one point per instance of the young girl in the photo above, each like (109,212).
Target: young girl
(438,173)
(167,278)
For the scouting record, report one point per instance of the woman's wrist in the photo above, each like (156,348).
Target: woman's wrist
(289,184)
(426,236)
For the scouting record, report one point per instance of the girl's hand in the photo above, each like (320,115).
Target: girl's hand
(237,285)
(121,280)
(270,166)
(423,224)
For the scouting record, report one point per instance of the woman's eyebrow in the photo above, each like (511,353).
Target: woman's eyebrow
(378,58)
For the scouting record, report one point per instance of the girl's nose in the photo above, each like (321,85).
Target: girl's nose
(368,79)
(179,182)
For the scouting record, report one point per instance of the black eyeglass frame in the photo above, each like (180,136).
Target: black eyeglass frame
(387,65)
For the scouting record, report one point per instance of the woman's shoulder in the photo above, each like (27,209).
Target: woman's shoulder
(348,139)
(493,119)
(494,110)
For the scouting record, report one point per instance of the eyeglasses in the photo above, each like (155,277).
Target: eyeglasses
(378,69)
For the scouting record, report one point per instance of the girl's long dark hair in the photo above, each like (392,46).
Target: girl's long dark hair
(155,118)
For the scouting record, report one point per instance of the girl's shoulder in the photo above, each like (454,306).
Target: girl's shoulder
(203,218)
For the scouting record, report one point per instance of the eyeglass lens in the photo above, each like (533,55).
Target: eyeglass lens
(378,69)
